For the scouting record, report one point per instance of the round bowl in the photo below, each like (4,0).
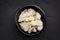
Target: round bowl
(37,9)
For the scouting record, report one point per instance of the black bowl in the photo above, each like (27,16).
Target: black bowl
(37,9)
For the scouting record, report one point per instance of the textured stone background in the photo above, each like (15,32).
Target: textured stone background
(8,29)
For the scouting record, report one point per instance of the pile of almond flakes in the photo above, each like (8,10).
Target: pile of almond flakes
(30,21)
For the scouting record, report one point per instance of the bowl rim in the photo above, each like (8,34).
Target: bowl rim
(17,22)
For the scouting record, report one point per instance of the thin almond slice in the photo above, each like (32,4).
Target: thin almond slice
(38,16)
(39,28)
(31,12)
(34,30)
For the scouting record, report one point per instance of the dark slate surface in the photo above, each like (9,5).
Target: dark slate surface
(8,29)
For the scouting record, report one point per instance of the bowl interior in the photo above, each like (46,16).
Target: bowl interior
(37,9)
